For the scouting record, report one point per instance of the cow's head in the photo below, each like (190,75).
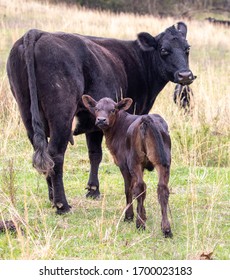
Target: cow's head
(105,110)
(171,51)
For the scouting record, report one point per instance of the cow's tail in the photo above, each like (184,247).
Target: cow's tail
(153,142)
(42,161)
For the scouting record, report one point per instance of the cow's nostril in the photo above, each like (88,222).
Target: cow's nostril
(185,75)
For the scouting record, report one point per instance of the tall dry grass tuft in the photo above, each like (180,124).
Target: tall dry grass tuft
(9,114)
(8,182)
(33,238)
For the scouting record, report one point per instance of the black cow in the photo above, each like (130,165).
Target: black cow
(218,21)
(49,73)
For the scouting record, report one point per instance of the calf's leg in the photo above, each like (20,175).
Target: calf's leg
(139,192)
(163,196)
(128,193)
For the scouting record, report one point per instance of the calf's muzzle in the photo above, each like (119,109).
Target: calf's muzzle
(101,122)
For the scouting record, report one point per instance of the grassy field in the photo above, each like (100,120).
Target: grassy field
(200,174)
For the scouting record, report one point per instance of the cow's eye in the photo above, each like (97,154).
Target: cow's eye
(112,111)
(96,110)
(164,52)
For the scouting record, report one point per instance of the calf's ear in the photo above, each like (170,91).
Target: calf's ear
(89,102)
(124,104)
(182,28)
(146,41)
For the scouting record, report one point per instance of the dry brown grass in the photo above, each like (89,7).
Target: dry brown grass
(209,55)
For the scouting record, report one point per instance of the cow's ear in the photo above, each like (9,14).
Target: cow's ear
(124,104)
(146,41)
(182,28)
(89,102)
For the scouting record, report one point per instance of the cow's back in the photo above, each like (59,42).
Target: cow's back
(72,61)
(66,66)
(92,68)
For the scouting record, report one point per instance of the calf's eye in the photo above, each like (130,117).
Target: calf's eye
(112,111)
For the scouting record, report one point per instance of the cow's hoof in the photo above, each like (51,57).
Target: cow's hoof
(93,192)
(62,209)
(167,233)
(128,219)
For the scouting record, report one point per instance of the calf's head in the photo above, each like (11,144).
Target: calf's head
(170,51)
(105,110)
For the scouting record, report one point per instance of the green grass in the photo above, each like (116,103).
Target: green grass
(199,204)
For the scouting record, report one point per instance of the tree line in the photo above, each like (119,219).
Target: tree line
(154,7)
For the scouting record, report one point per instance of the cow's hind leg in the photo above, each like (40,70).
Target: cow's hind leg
(57,147)
(50,189)
(94,140)
(163,196)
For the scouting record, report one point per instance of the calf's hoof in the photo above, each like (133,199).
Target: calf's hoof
(140,226)
(62,209)
(93,192)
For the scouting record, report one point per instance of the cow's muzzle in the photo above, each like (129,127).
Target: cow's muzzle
(184,77)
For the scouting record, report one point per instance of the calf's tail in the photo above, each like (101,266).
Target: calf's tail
(42,161)
(154,143)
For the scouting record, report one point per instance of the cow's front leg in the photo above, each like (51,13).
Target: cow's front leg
(94,141)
